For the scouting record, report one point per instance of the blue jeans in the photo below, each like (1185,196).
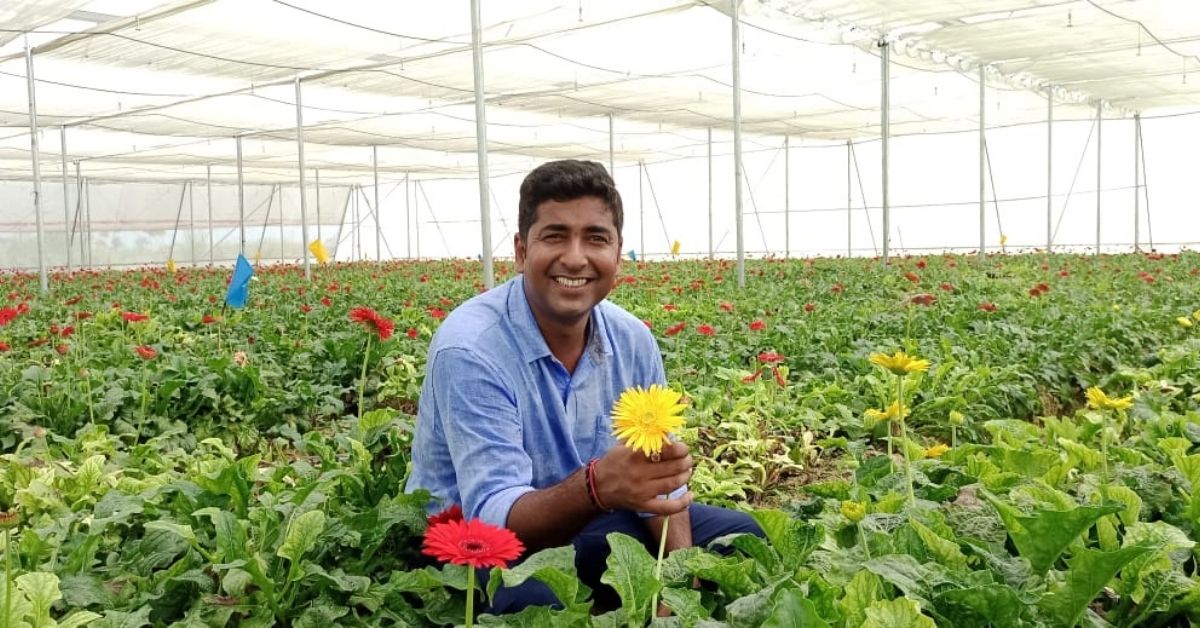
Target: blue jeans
(591,554)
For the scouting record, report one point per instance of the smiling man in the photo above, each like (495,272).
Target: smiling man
(514,422)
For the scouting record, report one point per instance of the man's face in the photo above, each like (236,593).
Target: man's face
(570,259)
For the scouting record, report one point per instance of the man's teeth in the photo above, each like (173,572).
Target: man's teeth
(571,283)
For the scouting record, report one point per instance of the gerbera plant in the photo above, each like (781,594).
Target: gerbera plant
(901,365)
(1113,408)
(644,419)
(473,544)
(378,325)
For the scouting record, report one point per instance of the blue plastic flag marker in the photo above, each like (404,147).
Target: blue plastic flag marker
(239,284)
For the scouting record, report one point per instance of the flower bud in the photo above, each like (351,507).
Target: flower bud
(853,511)
(957,418)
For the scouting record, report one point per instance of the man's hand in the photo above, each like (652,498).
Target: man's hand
(628,480)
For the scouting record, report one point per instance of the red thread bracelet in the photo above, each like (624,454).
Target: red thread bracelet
(593,494)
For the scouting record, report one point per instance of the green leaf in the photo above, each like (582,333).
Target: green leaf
(863,589)
(230,533)
(121,619)
(898,613)
(1043,536)
(732,575)
(555,567)
(750,611)
(1088,571)
(42,590)
(78,618)
(793,610)
(980,607)
(302,535)
(686,604)
(792,538)
(182,531)
(321,615)
(631,574)
(18,607)
(945,551)
(917,581)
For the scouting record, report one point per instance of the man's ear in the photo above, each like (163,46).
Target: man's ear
(519,252)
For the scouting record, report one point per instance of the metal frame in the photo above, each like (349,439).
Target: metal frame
(736,40)
(481,144)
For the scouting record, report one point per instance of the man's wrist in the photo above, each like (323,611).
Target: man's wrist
(593,490)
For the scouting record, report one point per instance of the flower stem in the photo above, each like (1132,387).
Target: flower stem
(7,578)
(862,538)
(953,436)
(904,437)
(662,546)
(362,383)
(470,618)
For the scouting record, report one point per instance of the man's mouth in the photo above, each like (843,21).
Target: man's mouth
(569,282)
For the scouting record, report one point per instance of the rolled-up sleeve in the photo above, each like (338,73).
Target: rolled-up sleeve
(478,415)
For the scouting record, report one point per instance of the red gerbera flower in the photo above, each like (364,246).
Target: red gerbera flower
(726,306)
(675,329)
(134,317)
(758,325)
(779,378)
(769,357)
(326,302)
(837,288)
(948,287)
(146,352)
(4,346)
(987,306)
(808,307)
(706,330)
(7,315)
(473,543)
(669,307)
(751,378)
(923,299)
(208,319)
(437,312)
(412,333)
(373,320)
(913,277)
(453,513)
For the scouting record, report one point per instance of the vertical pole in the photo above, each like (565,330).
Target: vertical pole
(378,209)
(1099,154)
(787,197)
(1137,181)
(885,131)
(355,235)
(1049,167)
(417,217)
(208,195)
(481,145)
(849,199)
(87,216)
(62,139)
(737,141)
(78,230)
(36,157)
(317,184)
(982,189)
(282,252)
(303,195)
(641,211)
(611,172)
(192,221)
(710,196)
(241,200)
(407,220)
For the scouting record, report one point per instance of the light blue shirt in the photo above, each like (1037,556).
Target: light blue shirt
(500,416)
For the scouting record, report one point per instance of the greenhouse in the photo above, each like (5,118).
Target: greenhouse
(920,279)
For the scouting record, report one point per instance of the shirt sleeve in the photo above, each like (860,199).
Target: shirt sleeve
(478,415)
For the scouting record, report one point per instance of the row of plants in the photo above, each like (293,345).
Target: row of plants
(178,464)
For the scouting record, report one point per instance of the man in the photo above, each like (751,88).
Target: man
(520,384)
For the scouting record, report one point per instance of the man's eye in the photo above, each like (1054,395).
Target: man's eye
(552,237)
(599,239)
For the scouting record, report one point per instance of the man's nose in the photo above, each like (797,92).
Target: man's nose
(574,255)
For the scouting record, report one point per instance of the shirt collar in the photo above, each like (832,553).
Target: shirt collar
(532,344)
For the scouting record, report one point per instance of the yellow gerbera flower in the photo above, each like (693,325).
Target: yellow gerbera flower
(644,418)
(1097,400)
(937,450)
(888,414)
(1185,321)
(957,418)
(900,363)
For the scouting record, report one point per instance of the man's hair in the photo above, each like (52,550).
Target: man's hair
(567,180)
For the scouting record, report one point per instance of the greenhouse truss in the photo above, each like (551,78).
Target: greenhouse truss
(205,118)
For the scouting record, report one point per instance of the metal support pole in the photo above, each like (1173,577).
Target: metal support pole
(192,221)
(317,183)
(641,211)
(282,205)
(737,140)
(337,241)
(208,195)
(36,157)
(417,188)
(78,222)
(1099,154)
(611,171)
(62,139)
(787,198)
(378,212)
(885,132)
(710,196)
(481,146)
(407,220)
(241,200)
(1049,167)
(849,199)
(982,139)
(355,235)
(303,191)
(1137,181)
(87,214)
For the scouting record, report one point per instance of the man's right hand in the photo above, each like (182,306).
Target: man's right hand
(627,480)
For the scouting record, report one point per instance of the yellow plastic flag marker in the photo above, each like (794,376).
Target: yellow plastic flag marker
(257,257)
(318,250)
(1003,239)
(675,248)
(170,265)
